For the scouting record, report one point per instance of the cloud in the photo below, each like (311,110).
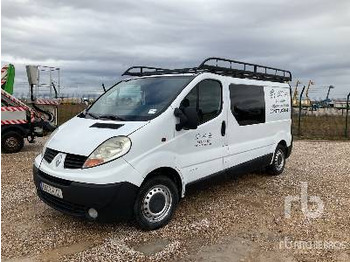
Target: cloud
(94,41)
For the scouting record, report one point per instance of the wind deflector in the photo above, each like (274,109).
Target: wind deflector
(142,70)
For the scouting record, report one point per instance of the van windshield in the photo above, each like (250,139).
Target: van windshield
(138,99)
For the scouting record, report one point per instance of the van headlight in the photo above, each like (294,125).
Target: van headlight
(109,150)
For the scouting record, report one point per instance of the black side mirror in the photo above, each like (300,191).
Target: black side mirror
(188,118)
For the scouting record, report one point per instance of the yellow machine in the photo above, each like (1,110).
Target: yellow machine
(295,100)
(307,101)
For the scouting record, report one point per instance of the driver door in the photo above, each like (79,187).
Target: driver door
(201,151)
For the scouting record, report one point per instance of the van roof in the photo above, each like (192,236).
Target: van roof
(220,66)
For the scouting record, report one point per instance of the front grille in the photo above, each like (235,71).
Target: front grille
(55,180)
(50,154)
(74,161)
(62,205)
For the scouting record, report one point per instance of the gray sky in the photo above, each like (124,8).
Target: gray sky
(94,41)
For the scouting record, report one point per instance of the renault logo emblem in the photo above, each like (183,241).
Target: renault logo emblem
(59,159)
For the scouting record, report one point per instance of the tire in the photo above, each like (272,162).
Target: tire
(155,203)
(12,142)
(279,161)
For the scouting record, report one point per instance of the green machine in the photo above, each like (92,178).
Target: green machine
(8,78)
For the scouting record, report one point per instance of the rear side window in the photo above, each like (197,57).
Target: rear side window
(206,98)
(247,104)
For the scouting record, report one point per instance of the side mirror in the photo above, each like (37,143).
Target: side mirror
(86,102)
(188,118)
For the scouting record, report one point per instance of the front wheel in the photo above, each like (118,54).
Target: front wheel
(279,161)
(156,203)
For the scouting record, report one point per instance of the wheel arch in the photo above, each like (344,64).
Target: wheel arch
(15,128)
(283,143)
(171,173)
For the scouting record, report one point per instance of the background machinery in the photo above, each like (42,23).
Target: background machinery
(307,102)
(20,120)
(326,103)
(295,101)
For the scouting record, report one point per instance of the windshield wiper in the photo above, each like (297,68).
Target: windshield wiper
(111,117)
(92,115)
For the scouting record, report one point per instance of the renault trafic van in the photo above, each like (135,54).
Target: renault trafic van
(134,151)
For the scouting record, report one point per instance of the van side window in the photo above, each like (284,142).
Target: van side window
(247,104)
(206,98)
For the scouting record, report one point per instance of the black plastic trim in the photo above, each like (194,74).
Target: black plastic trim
(107,125)
(55,180)
(249,166)
(71,161)
(50,154)
(112,201)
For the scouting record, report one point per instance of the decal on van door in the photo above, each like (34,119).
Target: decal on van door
(280,102)
(204,139)
(277,103)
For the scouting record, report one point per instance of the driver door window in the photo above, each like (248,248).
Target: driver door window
(206,98)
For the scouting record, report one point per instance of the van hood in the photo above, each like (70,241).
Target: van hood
(81,136)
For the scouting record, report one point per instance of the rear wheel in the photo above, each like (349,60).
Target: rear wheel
(279,161)
(155,203)
(12,142)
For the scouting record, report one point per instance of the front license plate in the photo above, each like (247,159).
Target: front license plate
(57,192)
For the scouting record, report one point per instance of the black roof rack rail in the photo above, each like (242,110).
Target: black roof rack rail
(245,70)
(149,70)
(220,66)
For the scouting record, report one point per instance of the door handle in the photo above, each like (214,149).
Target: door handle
(223,128)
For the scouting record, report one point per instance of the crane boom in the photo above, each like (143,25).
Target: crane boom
(308,87)
(7,78)
(295,94)
(329,90)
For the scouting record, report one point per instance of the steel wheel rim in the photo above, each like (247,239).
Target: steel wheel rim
(12,142)
(279,160)
(159,191)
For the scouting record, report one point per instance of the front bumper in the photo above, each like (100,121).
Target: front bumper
(112,201)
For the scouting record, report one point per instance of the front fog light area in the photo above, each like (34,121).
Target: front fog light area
(92,212)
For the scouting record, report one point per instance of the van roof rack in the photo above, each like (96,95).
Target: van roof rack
(221,66)
(149,70)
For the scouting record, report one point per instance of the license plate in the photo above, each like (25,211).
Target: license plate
(57,192)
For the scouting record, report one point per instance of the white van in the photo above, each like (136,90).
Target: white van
(134,151)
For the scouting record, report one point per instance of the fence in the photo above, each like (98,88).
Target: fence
(308,123)
(321,123)
(67,111)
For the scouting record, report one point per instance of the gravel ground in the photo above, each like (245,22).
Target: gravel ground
(229,219)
